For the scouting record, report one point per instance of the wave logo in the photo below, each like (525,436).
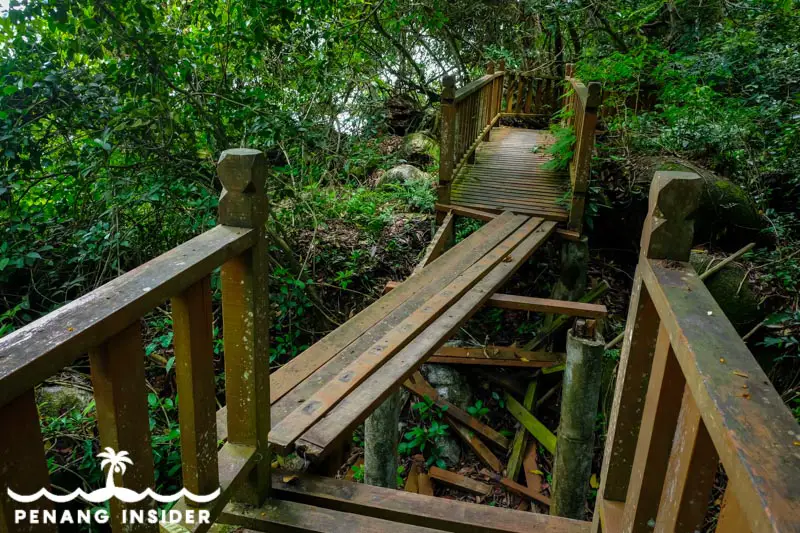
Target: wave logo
(117,464)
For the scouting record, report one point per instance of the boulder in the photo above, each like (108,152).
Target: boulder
(401,174)
(402,115)
(736,299)
(420,148)
(727,215)
(55,400)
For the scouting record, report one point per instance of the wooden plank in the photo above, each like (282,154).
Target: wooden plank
(483,453)
(360,402)
(610,516)
(23,468)
(482,361)
(35,352)
(732,518)
(278,515)
(474,86)
(536,428)
(547,215)
(287,431)
(441,240)
(739,421)
(523,491)
(466,212)
(421,388)
(451,262)
(417,509)
(412,481)
(659,421)
(194,369)
(518,446)
(118,381)
(458,481)
(537,305)
(691,471)
(530,465)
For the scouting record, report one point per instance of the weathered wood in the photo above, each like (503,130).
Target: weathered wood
(194,369)
(442,240)
(669,228)
(118,380)
(691,470)
(365,397)
(519,444)
(412,481)
(246,314)
(288,430)
(425,485)
(731,514)
(575,446)
(422,389)
(417,509)
(278,515)
(530,464)
(459,482)
(447,154)
(35,352)
(562,320)
(659,420)
(23,468)
(483,453)
(522,490)
(474,86)
(361,331)
(529,422)
(546,305)
(465,212)
(739,420)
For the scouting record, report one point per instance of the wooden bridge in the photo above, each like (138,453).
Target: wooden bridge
(690,398)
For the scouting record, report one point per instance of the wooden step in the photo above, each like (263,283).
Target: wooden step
(417,509)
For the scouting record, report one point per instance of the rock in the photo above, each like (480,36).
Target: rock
(402,115)
(449,383)
(55,400)
(727,215)
(420,148)
(294,463)
(740,305)
(453,387)
(402,174)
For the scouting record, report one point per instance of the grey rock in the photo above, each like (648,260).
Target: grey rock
(402,174)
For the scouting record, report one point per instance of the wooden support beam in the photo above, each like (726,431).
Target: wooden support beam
(465,212)
(536,428)
(459,482)
(536,305)
(495,356)
(483,453)
(519,444)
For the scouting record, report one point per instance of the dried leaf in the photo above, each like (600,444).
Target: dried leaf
(722,360)
(740,374)
(593,481)
(289,479)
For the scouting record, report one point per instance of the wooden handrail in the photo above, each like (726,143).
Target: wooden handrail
(106,323)
(35,352)
(689,396)
(475,85)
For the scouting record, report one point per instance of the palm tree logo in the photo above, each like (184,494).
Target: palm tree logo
(117,463)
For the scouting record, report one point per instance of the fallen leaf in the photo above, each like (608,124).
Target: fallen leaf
(523,359)
(746,395)
(537,472)
(70,329)
(593,481)
(722,360)
(289,479)
(508,259)
(740,374)
(796,443)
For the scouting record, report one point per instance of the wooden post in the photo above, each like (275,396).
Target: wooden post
(118,380)
(579,398)
(194,369)
(245,314)
(447,147)
(584,146)
(498,104)
(23,468)
(667,234)
(489,101)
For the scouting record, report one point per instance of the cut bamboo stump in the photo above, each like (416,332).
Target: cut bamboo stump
(581,392)
(381,436)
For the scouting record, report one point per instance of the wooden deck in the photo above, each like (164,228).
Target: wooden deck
(507,175)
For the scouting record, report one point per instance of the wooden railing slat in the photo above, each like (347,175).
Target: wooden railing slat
(690,473)
(32,354)
(118,380)
(659,419)
(23,467)
(194,368)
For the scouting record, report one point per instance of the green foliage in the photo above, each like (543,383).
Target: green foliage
(478,410)
(424,435)
(562,149)
(358,473)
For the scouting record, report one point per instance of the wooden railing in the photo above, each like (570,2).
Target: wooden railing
(526,95)
(689,397)
(106,324)
(581,104)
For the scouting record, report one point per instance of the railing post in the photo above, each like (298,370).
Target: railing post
(245,314)
(447,147)
(582,160)
(498,105)
(488,103)
(23,467)
(667,234)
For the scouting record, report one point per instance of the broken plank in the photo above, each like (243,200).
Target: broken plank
(530,464)
(424,484)
(470,437)
(441,240)
(421,388)
(458,481)
(536,428)
(521,438)
(522,490)
(537,305)
(287,431)
(495,356)
(353,409)
(412,481)
(466,212)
